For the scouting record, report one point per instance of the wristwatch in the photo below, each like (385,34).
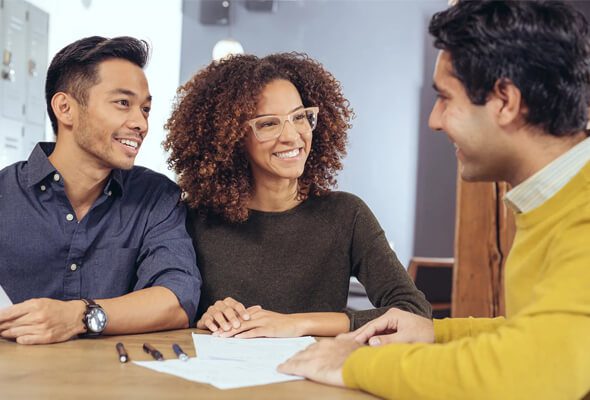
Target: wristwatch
(95,318)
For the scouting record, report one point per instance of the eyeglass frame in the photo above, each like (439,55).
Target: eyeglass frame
(283,118)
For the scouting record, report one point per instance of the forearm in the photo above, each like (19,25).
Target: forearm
(522,359)
(448,329)
(146,310)
(322,323)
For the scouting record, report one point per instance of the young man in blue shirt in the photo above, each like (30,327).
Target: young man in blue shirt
(89,243)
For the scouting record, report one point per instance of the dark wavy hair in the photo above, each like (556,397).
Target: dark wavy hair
(74,69)
(207,128)
(542,47)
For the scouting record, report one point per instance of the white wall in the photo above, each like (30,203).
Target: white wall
(381,53)
(158,22)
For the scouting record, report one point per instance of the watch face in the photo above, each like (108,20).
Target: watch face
(96,320)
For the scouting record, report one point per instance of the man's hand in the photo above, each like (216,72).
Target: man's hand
(395,326)
(264,323)
(321,362)
(41,321)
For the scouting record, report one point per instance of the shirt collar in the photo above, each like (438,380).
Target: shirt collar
(39,167)
(115,183)
(546,182)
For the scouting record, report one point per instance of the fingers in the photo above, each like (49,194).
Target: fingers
(379,326)
(206,322)
(253,333)
(31,339)
(253,309)
(384,339)
(259,320)
(226,314)
(297,363)
(246,325)
(241,310)
(17,331)
(15,311)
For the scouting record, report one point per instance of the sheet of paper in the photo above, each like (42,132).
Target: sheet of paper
(4,299)
(269,351)
(233,363)
(223,374)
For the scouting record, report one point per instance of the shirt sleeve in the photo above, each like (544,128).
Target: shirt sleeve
(167,257)
(540,353)
(376,266)
(448,329)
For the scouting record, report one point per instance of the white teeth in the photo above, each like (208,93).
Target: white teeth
(288,154)
(130,143)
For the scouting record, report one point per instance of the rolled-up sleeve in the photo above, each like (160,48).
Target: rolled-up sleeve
(167,257)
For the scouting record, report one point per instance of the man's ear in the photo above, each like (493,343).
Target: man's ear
(507,100)
(64,107)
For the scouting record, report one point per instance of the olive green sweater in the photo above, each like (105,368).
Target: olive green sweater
(301,260)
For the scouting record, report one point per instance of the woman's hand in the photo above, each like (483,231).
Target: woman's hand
(227,314)
(264,323)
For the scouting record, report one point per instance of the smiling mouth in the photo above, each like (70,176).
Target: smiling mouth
(132,144)
(285,155)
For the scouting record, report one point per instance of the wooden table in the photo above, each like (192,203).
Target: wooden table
(90,369)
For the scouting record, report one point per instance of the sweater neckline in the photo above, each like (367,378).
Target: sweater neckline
(290,211)
(556,202)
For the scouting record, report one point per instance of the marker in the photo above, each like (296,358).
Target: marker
(179,352)
(123,356)
(153,352)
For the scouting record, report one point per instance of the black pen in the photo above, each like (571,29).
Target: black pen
(123,356)
(148,348)
(179,352)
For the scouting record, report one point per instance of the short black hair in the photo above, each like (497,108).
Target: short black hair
(74,69)
(542,47)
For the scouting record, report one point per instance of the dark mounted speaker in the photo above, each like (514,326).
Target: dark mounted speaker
(215,12)
(261,5)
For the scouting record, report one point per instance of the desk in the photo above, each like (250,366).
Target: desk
(90,369)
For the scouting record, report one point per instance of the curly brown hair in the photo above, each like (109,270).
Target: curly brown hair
(207,128)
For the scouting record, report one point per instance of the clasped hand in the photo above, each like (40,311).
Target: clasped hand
(229,318)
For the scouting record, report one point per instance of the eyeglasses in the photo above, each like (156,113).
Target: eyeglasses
(271,126)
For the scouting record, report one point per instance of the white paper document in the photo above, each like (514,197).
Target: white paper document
(229,363)
(263,350)
(4,299)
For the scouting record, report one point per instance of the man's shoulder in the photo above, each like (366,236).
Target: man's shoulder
(145,180)
(11,173)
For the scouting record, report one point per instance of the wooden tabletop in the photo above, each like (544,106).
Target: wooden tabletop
(90,369)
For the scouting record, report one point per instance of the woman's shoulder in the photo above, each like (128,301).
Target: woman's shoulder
(340,199)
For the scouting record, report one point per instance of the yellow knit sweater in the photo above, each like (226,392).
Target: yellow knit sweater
(540,351)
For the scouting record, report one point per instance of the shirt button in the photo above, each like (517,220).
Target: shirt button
(73,267)
(43,188)
(70,217)
(56,177)
(110,193)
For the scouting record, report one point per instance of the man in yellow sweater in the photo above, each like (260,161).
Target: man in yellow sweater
(513,84)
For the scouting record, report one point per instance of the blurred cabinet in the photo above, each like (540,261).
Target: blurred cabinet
(434,278)
(24,51)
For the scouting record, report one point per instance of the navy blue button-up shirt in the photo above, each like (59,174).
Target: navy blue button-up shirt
(133,237)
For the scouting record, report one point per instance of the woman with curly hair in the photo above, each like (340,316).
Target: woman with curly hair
(256,143)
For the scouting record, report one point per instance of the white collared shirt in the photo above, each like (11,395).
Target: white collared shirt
(546,182)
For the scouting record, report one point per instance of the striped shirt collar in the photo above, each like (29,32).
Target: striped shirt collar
(546,182)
